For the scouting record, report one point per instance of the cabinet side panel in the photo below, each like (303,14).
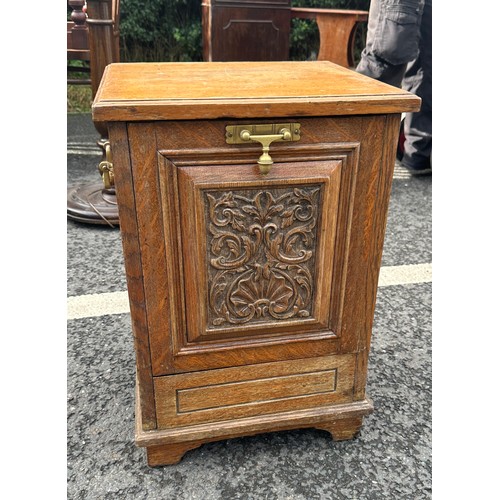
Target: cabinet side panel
(143,153)
(383,184)
(133,266)
(360,285)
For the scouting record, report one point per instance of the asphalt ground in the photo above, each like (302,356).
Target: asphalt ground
(390,459)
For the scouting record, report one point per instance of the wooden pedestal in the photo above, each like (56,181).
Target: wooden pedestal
(252,286)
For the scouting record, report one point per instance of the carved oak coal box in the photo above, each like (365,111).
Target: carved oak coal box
(252,202)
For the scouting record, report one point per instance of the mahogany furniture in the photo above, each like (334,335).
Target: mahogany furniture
(245,30)
(253,201)
(253,30)
(78,43)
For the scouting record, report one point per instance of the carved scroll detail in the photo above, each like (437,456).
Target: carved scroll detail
(261,252)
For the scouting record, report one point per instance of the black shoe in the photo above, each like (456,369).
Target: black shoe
(420,170)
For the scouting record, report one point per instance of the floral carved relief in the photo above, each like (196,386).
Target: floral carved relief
(261,254)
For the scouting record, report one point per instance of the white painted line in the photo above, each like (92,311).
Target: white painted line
(405,275)
(100,304)
(97,304)
(83,148)
(82,152)
(401,172)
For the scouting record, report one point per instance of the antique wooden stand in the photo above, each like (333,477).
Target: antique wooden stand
(97,32)
(253,200)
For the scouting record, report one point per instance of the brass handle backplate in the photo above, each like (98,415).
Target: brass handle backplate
(265,134)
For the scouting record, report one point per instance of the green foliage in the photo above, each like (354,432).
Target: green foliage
(79,98)
(170,30)
(160,30)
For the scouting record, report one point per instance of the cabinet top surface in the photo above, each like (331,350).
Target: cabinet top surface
(166,91)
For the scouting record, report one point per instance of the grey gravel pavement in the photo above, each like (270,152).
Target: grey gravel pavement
(390,459)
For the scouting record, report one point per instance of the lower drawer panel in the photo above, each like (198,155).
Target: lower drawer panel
(228,393)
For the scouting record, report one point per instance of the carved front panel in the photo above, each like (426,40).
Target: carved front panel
(257,251)
(255,265)
(261,249)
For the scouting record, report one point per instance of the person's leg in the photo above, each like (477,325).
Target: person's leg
(391,40)
(418,80)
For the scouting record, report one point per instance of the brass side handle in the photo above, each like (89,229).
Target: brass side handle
(265,135)
(106,167)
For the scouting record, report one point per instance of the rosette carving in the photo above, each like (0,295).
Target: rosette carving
(261,253)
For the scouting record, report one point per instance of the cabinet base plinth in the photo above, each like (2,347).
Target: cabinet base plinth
(169,454)
(343,429)
(168,446)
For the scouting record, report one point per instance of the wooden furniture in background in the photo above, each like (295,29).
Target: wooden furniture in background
(245,30)
(337,29)
(252,295)
(249,30)
(98,31)
(78,44)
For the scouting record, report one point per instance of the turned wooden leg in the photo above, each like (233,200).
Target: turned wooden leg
(344,428)
(168,454)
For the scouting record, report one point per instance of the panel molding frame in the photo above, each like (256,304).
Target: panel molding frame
(319,321)
(190,356)
(339,369)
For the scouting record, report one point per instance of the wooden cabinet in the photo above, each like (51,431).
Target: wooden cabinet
(253,30)
(246,30)
(252,294)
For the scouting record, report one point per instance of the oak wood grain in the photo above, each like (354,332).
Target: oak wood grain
(188,91)
(167,446)
(250,391)
(343,428)
(321,139)
(172,453)
(252,297)
(318,417)
(150,228)
(134,270)
(169,454)
(257,387)
(257,208)
(376,240)
(193,228)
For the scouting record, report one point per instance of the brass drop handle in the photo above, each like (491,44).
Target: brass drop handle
(264,134)
(265,161)
(106,167)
